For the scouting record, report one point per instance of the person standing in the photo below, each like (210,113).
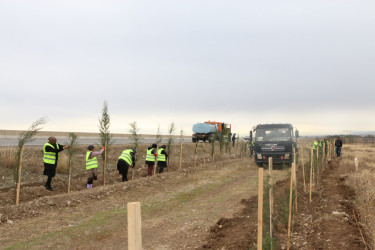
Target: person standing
(150,158)
(233,138)
(126,160)
(338,145)
(252,145)
(92,164)
(51,152)
(315,146)
(162,158)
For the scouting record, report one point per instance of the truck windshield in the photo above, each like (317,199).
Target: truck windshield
(273,134)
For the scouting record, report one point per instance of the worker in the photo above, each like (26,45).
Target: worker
(315,146)
(92,164)
(50,158)
(151,157)
(251,149)
(162,158)
(126,160)
(234,138)
(338,145)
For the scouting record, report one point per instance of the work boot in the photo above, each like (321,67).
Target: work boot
(49,188)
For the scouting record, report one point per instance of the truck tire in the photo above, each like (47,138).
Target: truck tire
(194,139)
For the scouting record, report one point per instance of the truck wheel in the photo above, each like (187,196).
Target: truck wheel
(194,140)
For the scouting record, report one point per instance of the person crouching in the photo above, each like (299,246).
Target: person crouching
(126,160)
(92,164)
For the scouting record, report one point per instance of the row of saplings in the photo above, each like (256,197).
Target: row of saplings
(155,157)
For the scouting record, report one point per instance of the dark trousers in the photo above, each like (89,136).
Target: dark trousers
(338,151)
(123,167)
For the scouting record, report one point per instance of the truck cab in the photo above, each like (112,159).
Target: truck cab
(276,141)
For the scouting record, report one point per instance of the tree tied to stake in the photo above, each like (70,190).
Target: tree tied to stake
(105,138)
(72,142)
(24,138)
(171,131)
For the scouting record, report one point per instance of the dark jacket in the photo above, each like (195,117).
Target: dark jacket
(338,143)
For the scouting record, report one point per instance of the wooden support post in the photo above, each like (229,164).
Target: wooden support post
(295,177)
(18,191)
(134,226)
(204,153)
(195,154)
(156,160)
(290,205)
(311,171)
(105,162)
(180,155)
(356,164)
(270,168)
(70,175)
(260,209)
(303,171)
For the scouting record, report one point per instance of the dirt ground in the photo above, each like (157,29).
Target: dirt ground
(209,206)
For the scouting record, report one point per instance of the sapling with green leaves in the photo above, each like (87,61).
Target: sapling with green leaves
(72,142)
(171,131)
(25,137)
(134,132)
(105,137)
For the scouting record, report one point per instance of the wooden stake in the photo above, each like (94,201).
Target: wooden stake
(204,153)
(270,168)
(303,171)
(311,171)
(70,176)
(19,179)
(105,162)
(134,226)
(260,209)
(156,160)
(290,205)
(195,154)
(295,177)
(356,164)
(180,155)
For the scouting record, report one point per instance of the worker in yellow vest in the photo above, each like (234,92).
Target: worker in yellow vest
(126,160)
(92,164)
(150,158)
(162,158)
(315,146)
(50,158)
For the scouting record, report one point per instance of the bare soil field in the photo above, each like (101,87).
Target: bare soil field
(207,206)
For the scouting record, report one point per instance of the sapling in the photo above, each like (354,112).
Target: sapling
(159,137)
(171,131)
(134,132)
(105,138)
(72,138)
(25,137)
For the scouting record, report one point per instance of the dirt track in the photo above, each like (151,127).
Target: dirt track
(212,206)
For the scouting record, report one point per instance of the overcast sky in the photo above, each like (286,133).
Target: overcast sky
(309,63)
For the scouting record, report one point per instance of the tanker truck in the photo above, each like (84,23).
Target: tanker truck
(210,131)
(276,141)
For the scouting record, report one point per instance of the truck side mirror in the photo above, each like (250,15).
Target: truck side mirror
(297,133)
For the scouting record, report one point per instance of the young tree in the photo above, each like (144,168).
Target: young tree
(25,137)
(159,137)
(171,131)
(134,131)
(72,138)
(105,138)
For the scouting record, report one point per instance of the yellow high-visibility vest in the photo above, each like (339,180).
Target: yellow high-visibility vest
(91,163)
(49,157)
(161,157)
(126,156)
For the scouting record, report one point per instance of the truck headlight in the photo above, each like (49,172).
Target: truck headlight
(287,156)
(259,156)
